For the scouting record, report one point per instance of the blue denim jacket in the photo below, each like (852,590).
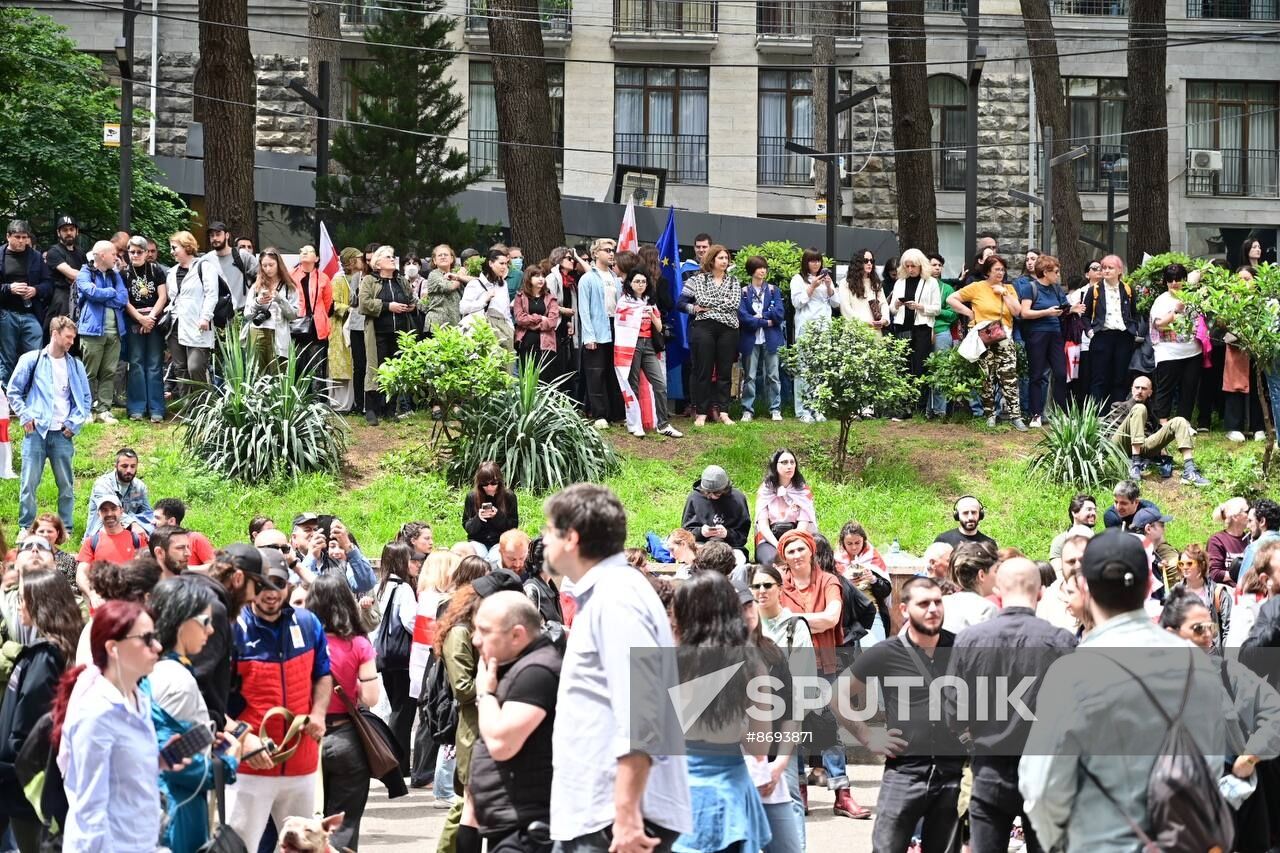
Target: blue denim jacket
(749,323)
(100,291)
(593,317)
(37,404)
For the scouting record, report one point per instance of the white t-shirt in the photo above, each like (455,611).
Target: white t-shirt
(61,392)
(1167,344)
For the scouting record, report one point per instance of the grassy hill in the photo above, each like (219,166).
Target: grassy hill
(906,477)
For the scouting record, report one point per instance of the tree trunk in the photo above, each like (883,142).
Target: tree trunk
(524,110)
(912,124)
(226,72)
(324,28)
(1148,139)
(1051,107)
(824,59)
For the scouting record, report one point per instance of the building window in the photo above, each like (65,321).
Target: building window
(786,114)
(664,16)
(1249,10)
(795,19)
(1097,106)
(482,121)
(1114,8)
(949,104)
(1238,119)
(660,120)
(945,5)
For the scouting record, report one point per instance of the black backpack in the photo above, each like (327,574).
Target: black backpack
(1185,809)
(225,308)
(439,707)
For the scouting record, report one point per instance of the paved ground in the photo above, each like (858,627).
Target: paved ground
(411,825)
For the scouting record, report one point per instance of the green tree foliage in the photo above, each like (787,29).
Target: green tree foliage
(1147,280)
(53,101)
(849,369)
(400,170)
(783,257)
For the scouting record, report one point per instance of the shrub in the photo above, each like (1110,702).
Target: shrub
(783,257)
(1147,280)
(850,368)
(449,368)
(257,425)
(956,378)
(1076,449)
(534,432)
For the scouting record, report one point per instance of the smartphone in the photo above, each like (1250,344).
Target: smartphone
(486,505)
(192,741)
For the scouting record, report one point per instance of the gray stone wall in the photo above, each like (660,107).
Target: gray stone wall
(283,125)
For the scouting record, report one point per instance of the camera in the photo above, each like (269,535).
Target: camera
(260,315)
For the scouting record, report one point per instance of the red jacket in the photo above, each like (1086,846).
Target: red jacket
(278,664)
(320,299)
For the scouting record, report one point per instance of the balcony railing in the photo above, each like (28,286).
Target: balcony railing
(684,156)
(795,18)
(482,150)
(556,17)
(945,5)
(1244,10)
(664,16)
(949,167)
(1244,173)
(1110,8)
(776,166)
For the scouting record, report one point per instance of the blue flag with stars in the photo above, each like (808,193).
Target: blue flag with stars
(669,258)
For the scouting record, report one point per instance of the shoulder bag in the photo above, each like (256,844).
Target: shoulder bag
(382,759)
(224,839)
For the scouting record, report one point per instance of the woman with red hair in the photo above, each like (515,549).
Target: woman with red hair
(105,740)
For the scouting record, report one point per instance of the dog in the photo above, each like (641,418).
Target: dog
(309,834)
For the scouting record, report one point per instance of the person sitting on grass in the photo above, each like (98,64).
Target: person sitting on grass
(1128,501)
(1143,439)
(715,510)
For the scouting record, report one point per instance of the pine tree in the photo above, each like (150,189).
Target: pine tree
(398,183)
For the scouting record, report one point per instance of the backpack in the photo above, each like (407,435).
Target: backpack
(225,308)
(97,537)
(1185,808)
(439,707)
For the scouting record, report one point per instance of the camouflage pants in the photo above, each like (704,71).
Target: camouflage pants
(1000,367)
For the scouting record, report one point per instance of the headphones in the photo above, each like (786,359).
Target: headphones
(955,509)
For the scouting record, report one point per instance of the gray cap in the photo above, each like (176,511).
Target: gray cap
(714,479)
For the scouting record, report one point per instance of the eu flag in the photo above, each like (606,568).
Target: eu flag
(669,258)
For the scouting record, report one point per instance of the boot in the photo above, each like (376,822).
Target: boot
(846,807)
(804,798)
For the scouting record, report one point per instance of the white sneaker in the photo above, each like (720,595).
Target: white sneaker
(601,424)
(638,432)
(670,432)
(820,418)
(806,418)
(777,416)
(991,421)
(107,418)
(746,416)
(1036,422)
(1259,436)
(1235,435)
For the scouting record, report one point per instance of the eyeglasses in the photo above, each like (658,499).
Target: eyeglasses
(1201,628)
(35,543)
(766,585)
(203,620)
(137,251)
(147,639)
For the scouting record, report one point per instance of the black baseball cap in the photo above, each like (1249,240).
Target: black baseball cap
(1113,554)
(216,225)
(305,518)
(65,220)
(248,560)
(499,580)
(275,571)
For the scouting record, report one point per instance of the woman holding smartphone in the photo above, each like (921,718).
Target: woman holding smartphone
(813,292)
(489,511)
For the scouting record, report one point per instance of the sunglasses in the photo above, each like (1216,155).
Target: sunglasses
(1094,268)
(147,639)
(137,251)
(1202,628)
(768,585)
(204,620)
(868,260)
(34,543)
(283,547)
(1184,564)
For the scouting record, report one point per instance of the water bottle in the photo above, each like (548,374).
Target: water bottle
(895,548)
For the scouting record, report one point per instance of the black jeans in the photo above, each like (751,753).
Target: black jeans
(403,709)
(1210,396)
(1045,352)
(990,824)
(596,365)
(913,792)
(1236,404)
(388,347)
(1109,355)
(346,782)
(425,750)
(713,346)
(358,366)
(1180,376)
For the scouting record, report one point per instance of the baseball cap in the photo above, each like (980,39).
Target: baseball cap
(1113,554)
(247,559)
(215,225)
(108,499)
(65,220)
(305,518)
(1146,516)
(275,571)
(499,580)
(744,591)
(714,479)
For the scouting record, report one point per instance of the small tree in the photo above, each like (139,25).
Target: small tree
(849,368)
(956,378)
(451,368)
(1250,310)
(401,171)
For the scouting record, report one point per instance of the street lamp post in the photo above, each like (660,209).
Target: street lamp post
(318,101)
(124,58)
(976,58)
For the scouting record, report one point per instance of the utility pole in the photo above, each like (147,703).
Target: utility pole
(976,56)
(1046,203)
(124,58)
(832,155)
(320,103)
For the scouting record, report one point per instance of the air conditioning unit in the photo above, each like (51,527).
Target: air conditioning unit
(1205,160)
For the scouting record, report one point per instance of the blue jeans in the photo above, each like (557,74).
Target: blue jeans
(59,450)
(146,374)
(795,776)
(761,361)
(446,763)
(19,334)
(942,342)
(786,836)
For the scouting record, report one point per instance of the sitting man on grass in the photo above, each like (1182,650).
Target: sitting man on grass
(1143,439)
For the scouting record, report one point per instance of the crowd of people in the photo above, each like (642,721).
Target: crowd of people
(154,671)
